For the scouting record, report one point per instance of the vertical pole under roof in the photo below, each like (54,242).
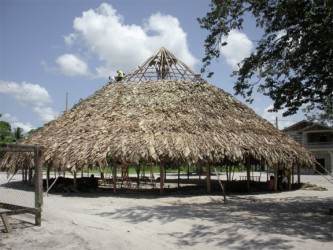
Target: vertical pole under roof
(275,178)
(248,175)
(209,188)
(38,185)
(114,176)
(161,177)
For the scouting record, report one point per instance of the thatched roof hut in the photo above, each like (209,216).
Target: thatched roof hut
(164,113)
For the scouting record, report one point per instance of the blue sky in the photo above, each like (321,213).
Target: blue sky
(52,47)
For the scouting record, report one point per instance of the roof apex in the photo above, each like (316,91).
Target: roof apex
(163,65)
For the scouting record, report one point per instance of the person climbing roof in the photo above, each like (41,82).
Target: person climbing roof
(120,75)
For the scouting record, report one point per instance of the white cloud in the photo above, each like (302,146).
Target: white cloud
(70,39)
(71,65)
(105,37)
(26,93)
(283,122)
(31,95)
(239,46)
(15,123)
(45,113)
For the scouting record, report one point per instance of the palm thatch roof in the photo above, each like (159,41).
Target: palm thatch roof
(176,117)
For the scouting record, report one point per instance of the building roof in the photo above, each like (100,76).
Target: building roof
(175,119)
(304,125)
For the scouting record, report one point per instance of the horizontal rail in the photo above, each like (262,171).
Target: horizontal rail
(19,147)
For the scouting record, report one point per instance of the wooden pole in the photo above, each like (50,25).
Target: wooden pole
(287,173)
(114,176)
(218,178)
(178,176)
(66,101)
(209,188)
(248,175)
(38,185)
(292,174)
(298,174)
(47,176)
(275,179)
(75,180)
(161,178)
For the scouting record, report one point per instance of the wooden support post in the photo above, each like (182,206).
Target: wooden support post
(288,172)
(114,177)
(6,223)
(22,173)
(38,185)
(75,180)
(298,174)
(248,175)
(30,176)
(209,188)
(25,174)
(199,170)
(178,176)
(47,176)
(161,178)
(275,178)
(292,174)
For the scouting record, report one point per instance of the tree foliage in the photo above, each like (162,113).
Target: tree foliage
(6,135)
(9,136)
(293,60)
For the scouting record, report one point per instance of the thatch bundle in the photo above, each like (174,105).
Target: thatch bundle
(163,121)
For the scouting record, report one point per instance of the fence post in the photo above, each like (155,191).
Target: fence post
(38,184)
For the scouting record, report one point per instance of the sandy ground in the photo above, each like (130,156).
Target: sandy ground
(282,220)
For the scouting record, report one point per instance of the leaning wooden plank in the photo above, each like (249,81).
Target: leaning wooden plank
(6,223)
(218,178)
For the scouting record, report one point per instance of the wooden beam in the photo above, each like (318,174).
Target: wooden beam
(298,174)
(114,176)
(161,178)
(248,175)
(6,223)
(75,180)
(38,185)
(20,211)
(178,176)
(209,188)
(18,147)
(275,179)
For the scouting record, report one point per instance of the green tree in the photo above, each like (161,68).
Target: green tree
(18,134)
(6,135)
(293,60)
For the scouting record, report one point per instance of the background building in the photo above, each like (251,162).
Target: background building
(318,139)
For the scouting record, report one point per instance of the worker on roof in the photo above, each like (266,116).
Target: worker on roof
(120,75)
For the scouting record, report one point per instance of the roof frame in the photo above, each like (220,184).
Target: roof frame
(163,66)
